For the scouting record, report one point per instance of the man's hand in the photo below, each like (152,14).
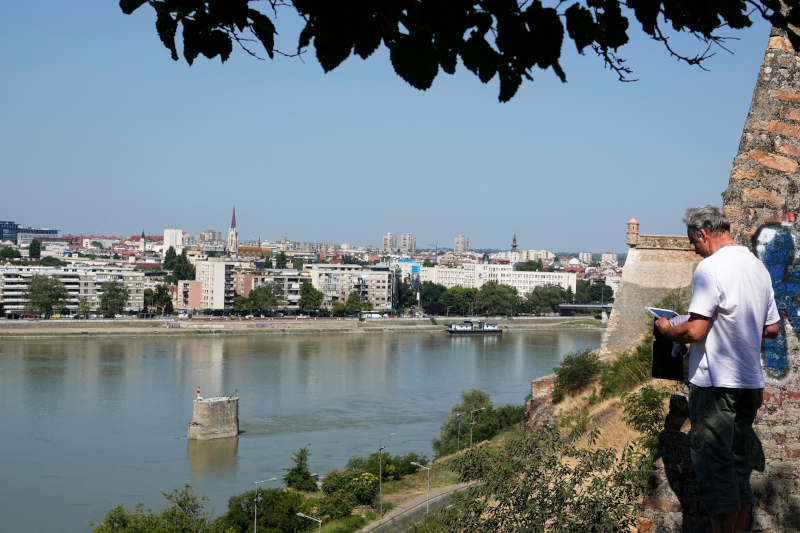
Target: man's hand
(771,331)
(692,330)
(663,326)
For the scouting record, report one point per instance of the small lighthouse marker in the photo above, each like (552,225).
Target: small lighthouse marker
(198,395)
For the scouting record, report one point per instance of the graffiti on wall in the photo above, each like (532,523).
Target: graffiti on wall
(776,248)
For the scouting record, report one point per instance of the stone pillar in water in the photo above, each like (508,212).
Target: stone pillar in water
(214,418)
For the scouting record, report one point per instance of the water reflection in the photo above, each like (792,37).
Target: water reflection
(212,457)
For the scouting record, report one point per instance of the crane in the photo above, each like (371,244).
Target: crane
(285,237)
(435,252)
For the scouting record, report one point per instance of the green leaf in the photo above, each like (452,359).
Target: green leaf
(479,57)
(129,6)
(332,48)
(217,43)
(191,40)
(509,83)
(580,26)
(166,26)
(414,59)
(264,29)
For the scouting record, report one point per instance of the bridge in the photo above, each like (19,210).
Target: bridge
(567,309)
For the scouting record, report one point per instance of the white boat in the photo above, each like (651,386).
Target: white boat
(473,327)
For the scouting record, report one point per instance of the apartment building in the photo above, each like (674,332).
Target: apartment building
(461,244)
(374,283)
(585,258)
(608,257)
(174,238)
(474,275)
(408,243)
(189,295)
(289,280)
(216,275)
(390,241)
(80,281)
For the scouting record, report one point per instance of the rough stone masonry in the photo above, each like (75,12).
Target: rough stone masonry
(761,202)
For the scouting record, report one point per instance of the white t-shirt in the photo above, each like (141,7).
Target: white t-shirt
(733,288)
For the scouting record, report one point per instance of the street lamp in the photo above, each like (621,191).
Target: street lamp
(428,497)
(301,515)
(256,500)
(472,422)
(459,432)
(380,466)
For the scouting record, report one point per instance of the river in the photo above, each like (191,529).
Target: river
(89,423)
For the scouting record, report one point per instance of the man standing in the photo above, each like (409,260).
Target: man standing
(732,309)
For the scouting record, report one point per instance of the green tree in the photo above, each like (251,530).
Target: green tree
(506,40)
(265,298)
(531,266)
(353,303)
(406,297)
(458,299)
(35,249)
(428,263)
(241,304)
(113,298)
(149,299)
(44,294)
(52,262)
(211,253)
(98,245)
(338,308)
(83,306)
(169,258)
(182,269)
(494,298)
(281,260)
(367,306)
(485,257)
(184,514)
(430,292)
(299,477)
(600,292)
(546,298)
(310,298)
(9,253)
(297,264)
(277,512)
(644,411)
(471,399)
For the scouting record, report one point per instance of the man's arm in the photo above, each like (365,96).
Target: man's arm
(692,330)
(771,331)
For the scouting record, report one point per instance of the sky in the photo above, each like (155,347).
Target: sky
(101,130)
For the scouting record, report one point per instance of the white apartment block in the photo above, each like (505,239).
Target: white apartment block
(608,257)
(374,283)
(216,274)
(461,244)
(81,281)
(476,275)
(585,257)
(174,238)
(521,256)
(408,243)
(289,280)
(390,241)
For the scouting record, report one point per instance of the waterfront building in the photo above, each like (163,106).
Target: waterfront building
(408,243)
(289,281)
(374,283)
(475,275)
(461,244)
(189,295)
(216,275)
(81,280)
(233,234)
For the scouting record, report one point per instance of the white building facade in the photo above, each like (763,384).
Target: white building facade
(174,238)
(476,275)
(408,243)
(390,241)
(461,244)
(216,274)
(374,283)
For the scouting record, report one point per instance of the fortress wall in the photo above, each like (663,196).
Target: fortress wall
(761,202)
(656,265)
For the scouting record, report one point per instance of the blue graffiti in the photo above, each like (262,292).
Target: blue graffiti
(775,247)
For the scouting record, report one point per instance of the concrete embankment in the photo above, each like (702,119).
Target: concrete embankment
(276,326)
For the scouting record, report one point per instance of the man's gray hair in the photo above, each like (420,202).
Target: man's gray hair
(708,217)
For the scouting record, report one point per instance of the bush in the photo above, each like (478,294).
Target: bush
(488,423)
(630,369)
(363,486)
(644,412)
(336,505)
(349,524)
(298,477)
(575,373)
(277,511)
(357,462)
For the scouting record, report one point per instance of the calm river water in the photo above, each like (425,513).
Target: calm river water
(86,424)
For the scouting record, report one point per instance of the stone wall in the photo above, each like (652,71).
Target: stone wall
(656,265)
(761,202)
(214,418)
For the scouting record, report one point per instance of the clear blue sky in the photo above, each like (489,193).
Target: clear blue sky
(100,129)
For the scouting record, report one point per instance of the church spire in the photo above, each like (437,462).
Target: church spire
(143,237)
(233,218)
(514,243)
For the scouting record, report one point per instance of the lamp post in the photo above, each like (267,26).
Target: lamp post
(380,466)
(472,423)
(301,515)
(257,500)
(459,432)
(428,497)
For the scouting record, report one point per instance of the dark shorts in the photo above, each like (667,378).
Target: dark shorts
(722,421)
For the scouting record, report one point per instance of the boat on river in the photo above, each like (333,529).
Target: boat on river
(473,327)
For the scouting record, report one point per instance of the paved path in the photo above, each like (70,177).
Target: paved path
(401,517)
